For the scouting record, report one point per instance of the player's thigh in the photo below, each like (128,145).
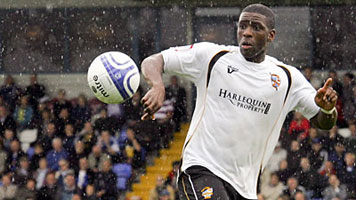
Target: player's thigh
(195,186)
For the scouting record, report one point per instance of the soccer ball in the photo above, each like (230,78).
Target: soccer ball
(113,77)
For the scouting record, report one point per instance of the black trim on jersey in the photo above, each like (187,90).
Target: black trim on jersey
(212,63)
(289,80)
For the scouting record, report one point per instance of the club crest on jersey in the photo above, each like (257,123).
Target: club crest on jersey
(207,192)
(231,69)
(275,80)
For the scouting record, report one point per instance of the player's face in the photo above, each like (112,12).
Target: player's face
(253,36)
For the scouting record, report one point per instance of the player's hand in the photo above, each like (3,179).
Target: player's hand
(326,97)
(152,101)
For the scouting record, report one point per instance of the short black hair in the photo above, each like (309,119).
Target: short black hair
(263,10)
(350,75)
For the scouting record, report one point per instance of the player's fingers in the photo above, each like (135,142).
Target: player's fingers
(328,83)
(144,99)
(145,116)
(334,98)
(329,93)
(320,93)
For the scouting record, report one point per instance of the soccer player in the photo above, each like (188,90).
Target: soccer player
(243,97)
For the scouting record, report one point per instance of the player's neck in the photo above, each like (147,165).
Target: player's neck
(258,58)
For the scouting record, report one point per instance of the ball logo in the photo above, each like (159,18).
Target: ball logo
(99,87)
(94,89)
(117,75)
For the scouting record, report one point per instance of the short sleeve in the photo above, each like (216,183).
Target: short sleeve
(303,94)
(189,61)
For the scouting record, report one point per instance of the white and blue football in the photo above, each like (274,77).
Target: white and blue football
(113,77)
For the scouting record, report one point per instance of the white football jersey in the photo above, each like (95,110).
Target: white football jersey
(239,110)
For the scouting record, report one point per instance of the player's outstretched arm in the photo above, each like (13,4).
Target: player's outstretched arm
(326,99)
(152,68)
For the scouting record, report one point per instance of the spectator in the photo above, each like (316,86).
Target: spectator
(351,106)
(88,136)
(273,189)
(76,197)
(90,192)
(46,139)
(64,118)
(27,192)
(3,157)
(35,91)
(14,156)
(299,127)
(284,171)
(334,190)
(146,132)
(299,196)
(6,121)
(117,112)
(96,158)
(317,156)
(292,188)
(165,124)
(69,189)
(61,102)
(84,175)
(39,154)
(63,171)
(42,120)
(7,189)
(10,91)
(133,109)
(22,173)
(348,175)
(351,141)
(69,137)
(105,182)
(164,195)
(337,156)
(306,144)
(41,172)
(328,170)
(347,96)
(278,155)
(77,154)
(309,178)
(172,177)
(336,84)
(23,113)
(9,136)
(106,123)
(134,151)
(332,138)
(48,192)
(294,155)
(2,102)
(308,73)
(160,186)
(81,113)
(56,154)
(109,145)
(179,97)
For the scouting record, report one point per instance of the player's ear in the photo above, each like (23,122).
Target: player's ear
(271,35)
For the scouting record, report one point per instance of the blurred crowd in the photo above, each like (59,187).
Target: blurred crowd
(309,163)
(61,148)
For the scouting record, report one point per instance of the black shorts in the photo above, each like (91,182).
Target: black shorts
(198,183)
